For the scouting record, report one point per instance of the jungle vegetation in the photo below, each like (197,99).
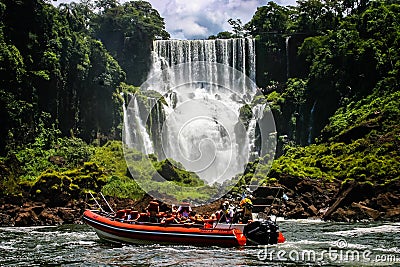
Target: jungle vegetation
(334,93)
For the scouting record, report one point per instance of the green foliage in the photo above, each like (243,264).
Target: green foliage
(61,187)
(245,114)
(174,171)
(111,157)
(221,35)
(123,188)
(358,161)
(350,90)
(295,91)
(127,30)
(375,111)
(62,71)
(271,18)
(56,62)
(59,154)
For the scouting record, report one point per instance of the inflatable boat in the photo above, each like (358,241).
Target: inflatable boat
(112,228)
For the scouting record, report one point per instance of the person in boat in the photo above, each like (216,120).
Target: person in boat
(153,209)
(222,212)
(133,216)
(247,207)
(230,213)
(198,219)
(184,210)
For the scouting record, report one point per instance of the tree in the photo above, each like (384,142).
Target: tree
(237,27)
(128,31)
(271,18)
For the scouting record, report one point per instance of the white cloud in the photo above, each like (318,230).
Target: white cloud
(200,19)
(197,19)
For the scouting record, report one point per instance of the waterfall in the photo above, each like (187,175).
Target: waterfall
(142,131)
(128,140)
(311,123)
(287,57)
(135,134)
(258,113)
(236,53)
(198,114)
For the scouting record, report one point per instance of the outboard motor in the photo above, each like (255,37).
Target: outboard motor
(262,232)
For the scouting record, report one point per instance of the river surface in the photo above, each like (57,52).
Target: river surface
(309,243)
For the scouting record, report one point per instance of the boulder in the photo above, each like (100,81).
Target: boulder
(371,213)
(297,213)
(393,214)
(26,218)
(5,220)
(67,215)
(342,215)
(49,217)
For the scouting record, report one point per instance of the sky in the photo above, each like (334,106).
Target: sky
(198,19)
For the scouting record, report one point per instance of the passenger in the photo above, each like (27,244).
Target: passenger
(213,217)
(174,209)
(198,219)
(230,213)
(153,209)
(133,216)
(120,215)
(127,215)
(222,212)
(185,213)
(192,215)
(168,218)
(247,207)
(184,210)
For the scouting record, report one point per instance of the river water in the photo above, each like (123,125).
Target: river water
(309,243)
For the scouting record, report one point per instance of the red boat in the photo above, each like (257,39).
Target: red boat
(113,229)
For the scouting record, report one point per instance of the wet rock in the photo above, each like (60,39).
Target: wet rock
(291,204)
(343,196)
(393,214)
(49,217)
(6,220)
(297,213)
(313,210)
(342,215)
(26,218)
(371,213)
(67,215)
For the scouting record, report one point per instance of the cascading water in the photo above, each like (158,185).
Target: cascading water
(237,53)
(287,40)
(310,127)
(135,135)
(141,130)
(200,121)
(128,140)
(258,113)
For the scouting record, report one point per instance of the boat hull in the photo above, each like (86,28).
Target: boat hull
(144,233)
